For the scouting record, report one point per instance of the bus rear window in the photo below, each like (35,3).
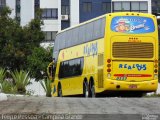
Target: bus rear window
(132,24)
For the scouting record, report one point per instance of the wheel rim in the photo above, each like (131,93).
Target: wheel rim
(86,92)
(93,91)
(59,93)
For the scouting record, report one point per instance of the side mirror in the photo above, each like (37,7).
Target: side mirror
(50,71)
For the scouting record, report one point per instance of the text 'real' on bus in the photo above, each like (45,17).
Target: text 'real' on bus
(116,52)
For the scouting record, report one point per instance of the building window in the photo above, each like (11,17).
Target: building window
(106,7)
(135,6)
(18,14)
(121,6)
(2,2)
(139,6)
(18,2)
(126,6)
(36,3)
(18,10)
(50,35)
(65,10)
(50,14)
(156,7)
(36,6)
(87,6)
(117,6)
(18,6)
(154,3)
(143,7)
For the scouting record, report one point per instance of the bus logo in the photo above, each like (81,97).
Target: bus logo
(91,49)
(132,24)
(139,67)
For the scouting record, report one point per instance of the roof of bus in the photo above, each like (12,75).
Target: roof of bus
(82,23)
(115,14)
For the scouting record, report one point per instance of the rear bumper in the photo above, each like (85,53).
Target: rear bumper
(114,85)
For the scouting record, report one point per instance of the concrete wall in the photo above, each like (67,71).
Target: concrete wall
(51,25)
(27,11)
(74,12)
(59,15)
(49,3)
(12,5)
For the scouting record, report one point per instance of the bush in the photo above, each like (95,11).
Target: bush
(153,95)
(46,84)
(16,84)
(2,74)
(8,87)
(21,79)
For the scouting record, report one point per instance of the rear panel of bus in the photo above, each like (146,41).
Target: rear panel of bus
(131,52)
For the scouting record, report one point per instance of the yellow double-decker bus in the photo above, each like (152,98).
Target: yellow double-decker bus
(116,52)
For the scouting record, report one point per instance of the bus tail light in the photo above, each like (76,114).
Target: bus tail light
(156,61)
(156,65)
(109,60)
(109,75)
(153,83)
(108,70)
(155,71)
(108,65)
(155,76)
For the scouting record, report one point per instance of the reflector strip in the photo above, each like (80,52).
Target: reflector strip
(132,75)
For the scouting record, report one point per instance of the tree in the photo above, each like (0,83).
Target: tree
(20,46)
(38,62)
(10,32)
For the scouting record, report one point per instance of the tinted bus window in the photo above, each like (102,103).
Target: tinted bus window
(71,68)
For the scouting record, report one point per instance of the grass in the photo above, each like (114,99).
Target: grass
(153,95)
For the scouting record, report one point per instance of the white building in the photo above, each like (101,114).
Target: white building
(24,12)
(59,14)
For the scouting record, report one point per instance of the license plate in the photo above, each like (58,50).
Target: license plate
(132,86)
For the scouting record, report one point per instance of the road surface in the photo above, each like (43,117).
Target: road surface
(86,108)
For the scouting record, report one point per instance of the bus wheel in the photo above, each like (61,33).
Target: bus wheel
(85,90)
(92,90)
(59,91)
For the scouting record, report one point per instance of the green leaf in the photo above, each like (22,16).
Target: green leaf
(46,84)
(21,79)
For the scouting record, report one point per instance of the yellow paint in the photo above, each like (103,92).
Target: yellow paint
(74,85)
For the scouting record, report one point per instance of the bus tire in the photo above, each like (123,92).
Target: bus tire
(59,90)
(85,89)
(92,90)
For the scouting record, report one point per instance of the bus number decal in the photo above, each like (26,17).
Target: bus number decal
(139,67)
(121,78)
(91,49)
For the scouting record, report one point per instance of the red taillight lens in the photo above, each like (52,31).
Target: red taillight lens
(108,65)
(108,70)
(156,66)
(155,71)
(156,61)
(109,60)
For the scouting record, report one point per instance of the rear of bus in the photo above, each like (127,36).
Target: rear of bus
(131,52)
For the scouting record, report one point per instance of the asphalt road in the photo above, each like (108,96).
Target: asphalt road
(83,108)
